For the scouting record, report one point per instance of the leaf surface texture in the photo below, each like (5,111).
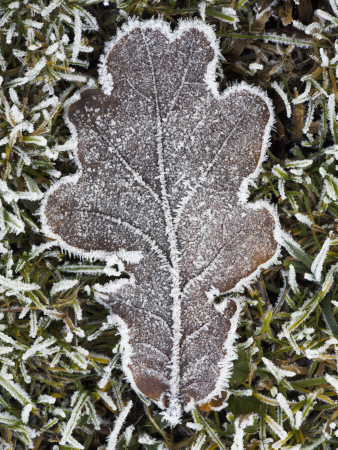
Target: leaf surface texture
(162,158)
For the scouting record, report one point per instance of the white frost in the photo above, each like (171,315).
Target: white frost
(63,285)
(112,438)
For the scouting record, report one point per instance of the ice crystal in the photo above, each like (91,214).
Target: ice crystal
(112,438)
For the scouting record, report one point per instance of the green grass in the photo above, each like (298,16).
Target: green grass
(287,349)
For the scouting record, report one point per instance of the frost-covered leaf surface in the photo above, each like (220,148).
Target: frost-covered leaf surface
(163,157)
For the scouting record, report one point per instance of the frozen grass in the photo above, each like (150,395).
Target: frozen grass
(60,377)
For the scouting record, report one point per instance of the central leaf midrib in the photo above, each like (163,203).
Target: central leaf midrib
(173,252)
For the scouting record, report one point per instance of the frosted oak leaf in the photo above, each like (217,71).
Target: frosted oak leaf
(164,162)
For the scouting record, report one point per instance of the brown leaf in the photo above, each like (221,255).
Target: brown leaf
(305,11)
(215,403)
(285,13)
(298,122)
(162,159)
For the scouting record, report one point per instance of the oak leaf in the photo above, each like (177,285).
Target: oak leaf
(164,163)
